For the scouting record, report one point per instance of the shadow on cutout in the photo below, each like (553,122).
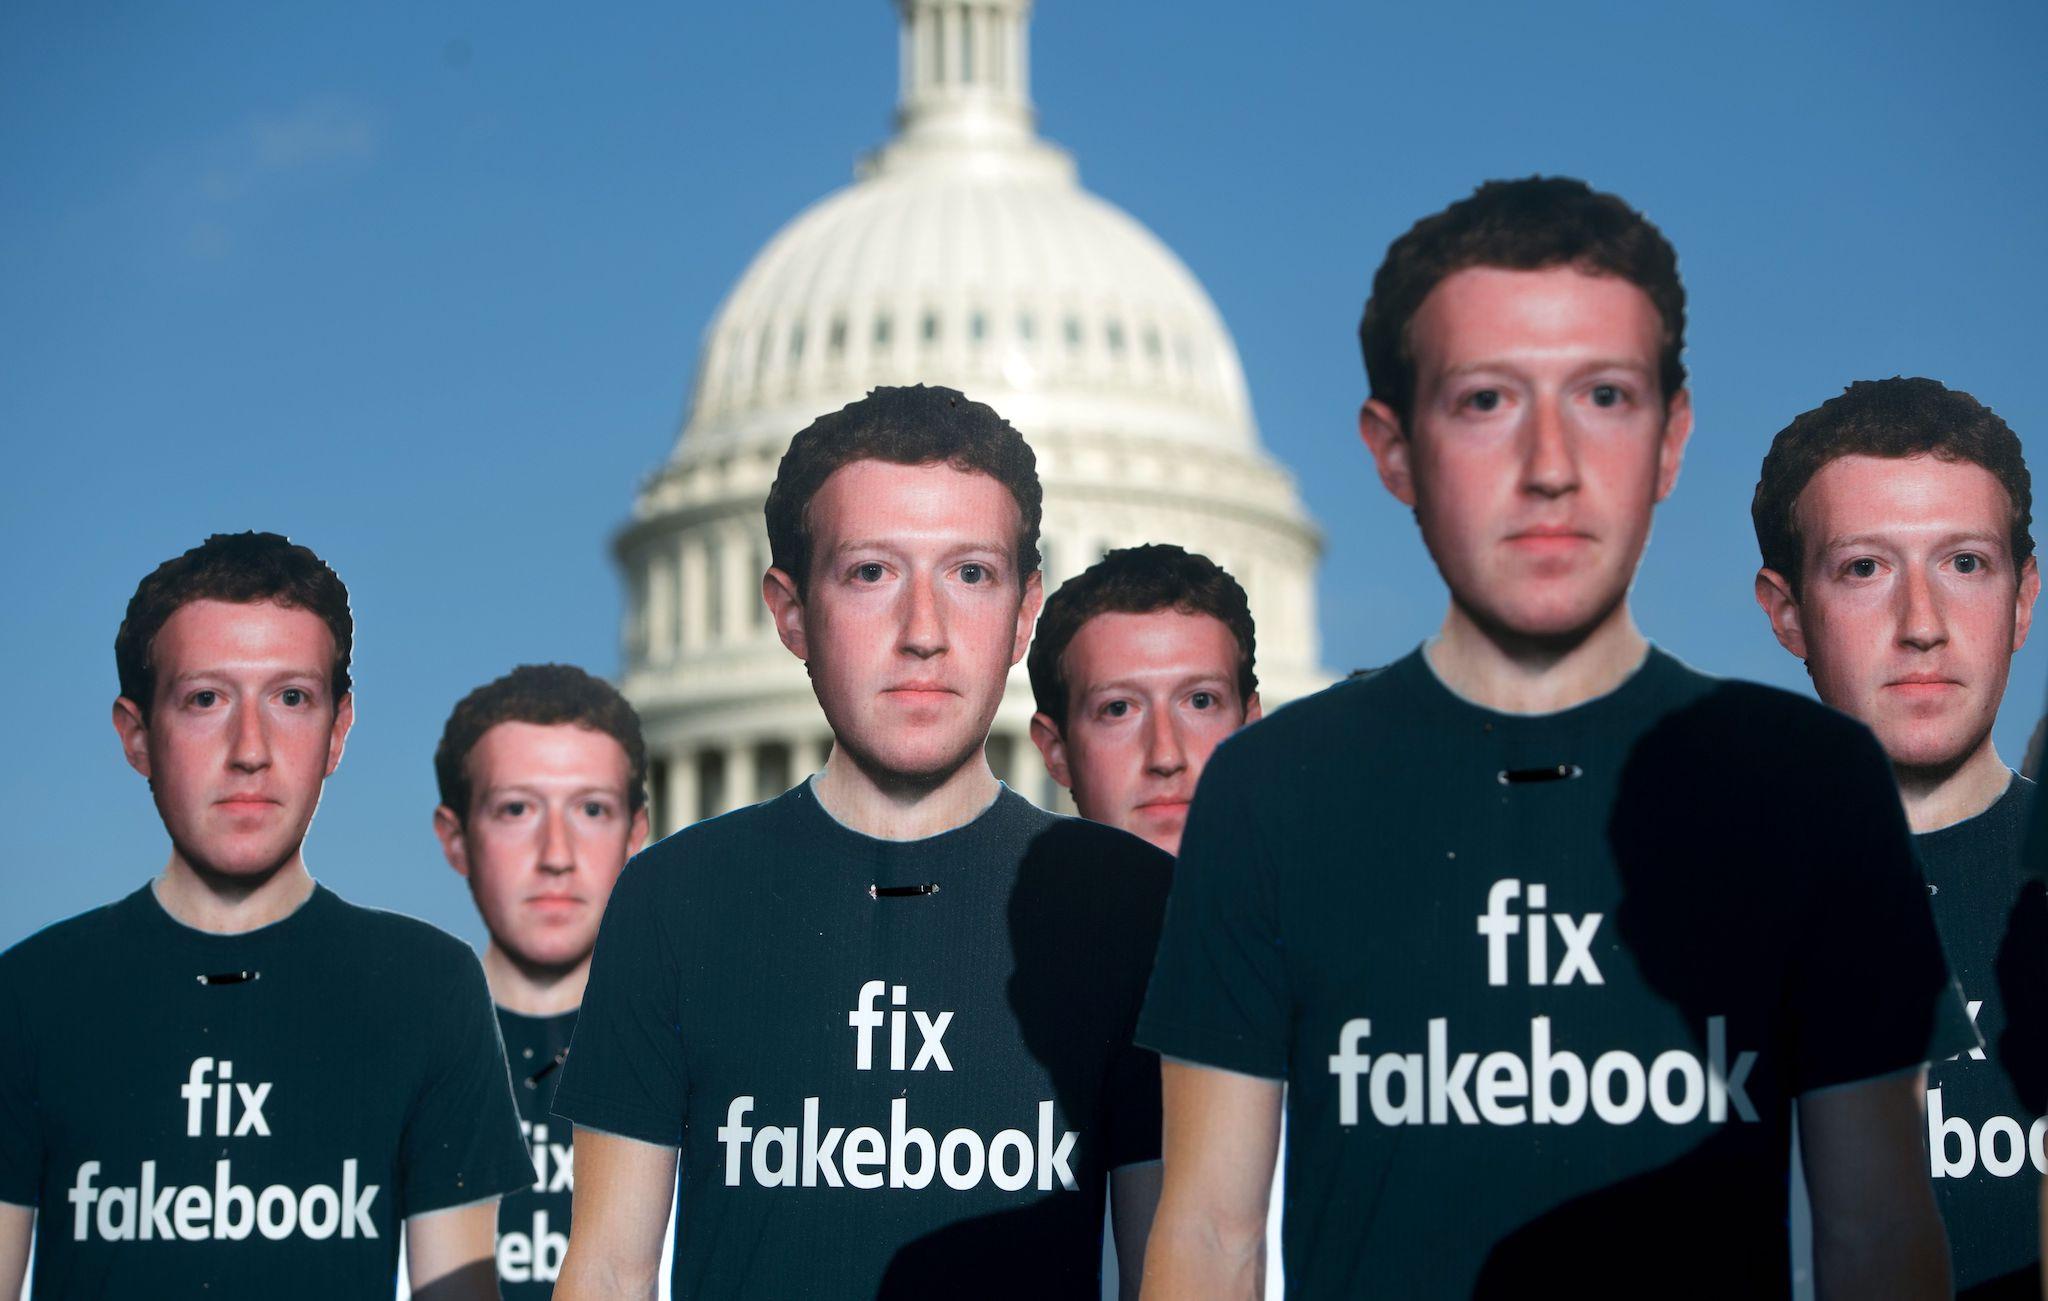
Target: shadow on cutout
(1696,904)
(1055,993)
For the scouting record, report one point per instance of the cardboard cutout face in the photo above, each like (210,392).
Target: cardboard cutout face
(1149,697)
(915,612)
(1538,445)
(1910,606)
(549,828)
(242,732)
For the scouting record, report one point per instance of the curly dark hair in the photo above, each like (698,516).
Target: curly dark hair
(1526,225)
(917,425)
(1137,580)
(545,695)
(1896,417)
(241,567)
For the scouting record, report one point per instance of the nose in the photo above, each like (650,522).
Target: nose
(1550,466)
(557,850)
(249,747)
(1165,754)
(1921,625)
(924,622)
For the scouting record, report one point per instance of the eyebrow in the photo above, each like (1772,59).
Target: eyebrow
(885,545)
(1946,539)
(1179,684)
(1501,364)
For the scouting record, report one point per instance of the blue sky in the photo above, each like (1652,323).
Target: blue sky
(423,285)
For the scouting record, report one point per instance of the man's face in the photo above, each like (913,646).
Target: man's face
(1149,696)
(1909,606)
(549,827)
(241,734)
(1537,445)
(915,612)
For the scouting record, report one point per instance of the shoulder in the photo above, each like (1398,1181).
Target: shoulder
(1087,880)
(1767,728)
(86,935)
(394,940)
(1093,843)
(762,828)
(1302,733)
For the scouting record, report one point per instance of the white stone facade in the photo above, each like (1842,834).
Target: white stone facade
(965,254)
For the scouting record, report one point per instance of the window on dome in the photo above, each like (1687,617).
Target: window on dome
(884,328)
(796,343)
(835,343)
(1184,353)
(977,327)
(766,349)
(1073,334)
(1027,328)
(1114,333)
(931,327)
(1152,348)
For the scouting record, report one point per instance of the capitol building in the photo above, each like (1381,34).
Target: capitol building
(965,253)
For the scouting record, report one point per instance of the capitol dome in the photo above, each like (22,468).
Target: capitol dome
(967,254)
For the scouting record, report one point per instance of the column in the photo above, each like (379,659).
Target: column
(740,586)
(657,619)
(690,585)
(739,776)
(680,799)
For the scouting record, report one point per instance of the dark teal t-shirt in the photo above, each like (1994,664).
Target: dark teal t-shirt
(1543,988)
(245,1116)
(1983,1133)
(893,1068)
(533,1226)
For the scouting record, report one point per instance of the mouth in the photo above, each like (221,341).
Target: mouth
(555,901)
(246,803)
(1165,804)
(1922,684)
(918,692)
(1548,537)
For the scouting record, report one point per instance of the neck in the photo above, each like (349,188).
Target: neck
(1534,675)
(891,807)
(229,905)
(534,990)
(1942,796)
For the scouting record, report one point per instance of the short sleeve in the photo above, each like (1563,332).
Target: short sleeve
(1219,994)
(462,1142)
(21,1138)
(1870,992)
(625,1069)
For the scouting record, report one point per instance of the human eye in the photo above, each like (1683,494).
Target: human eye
(295,697)
(204,698)
(1203,700)
(513,809)
(1482,400)
(1115,709)
(596,809)
(1969,562)
(869,571)
(1608,395)
(974,573)
(1861,567)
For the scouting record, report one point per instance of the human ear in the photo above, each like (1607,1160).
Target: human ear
(786,607)
(1775,598)
(1052,747)
(1391,451)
